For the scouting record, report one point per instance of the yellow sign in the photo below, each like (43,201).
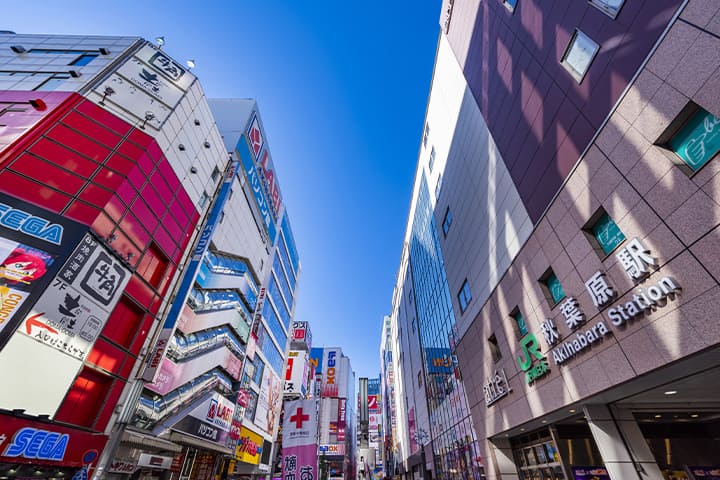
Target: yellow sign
(249,447)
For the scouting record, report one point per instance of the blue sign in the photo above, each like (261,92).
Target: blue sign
(253,175)
(316,358)
(35,443)
(16,219)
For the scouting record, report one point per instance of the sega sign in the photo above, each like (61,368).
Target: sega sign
(31,442)
(38,227)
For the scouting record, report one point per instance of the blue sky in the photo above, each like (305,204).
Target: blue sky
(342,89)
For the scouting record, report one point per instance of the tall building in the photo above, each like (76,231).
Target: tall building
(564,208)
(116,176)
(335,389)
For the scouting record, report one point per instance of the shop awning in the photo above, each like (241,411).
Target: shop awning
(145,441)
(188,440)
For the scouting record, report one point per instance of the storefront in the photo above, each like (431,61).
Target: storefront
(45,450)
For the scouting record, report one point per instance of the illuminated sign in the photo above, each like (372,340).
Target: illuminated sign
(20,220)
(36,443)
(249,447)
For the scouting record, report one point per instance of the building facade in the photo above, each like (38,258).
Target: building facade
(115,172)
(571,148)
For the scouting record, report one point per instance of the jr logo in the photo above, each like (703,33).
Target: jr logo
(531,348)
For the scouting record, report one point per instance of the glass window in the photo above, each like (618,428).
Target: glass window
(215,174)
(520,321)
(252,405)
(432,159)
(438,187)
(204,199)
(494,348)
(426,133)
(447,221)
(607,233)
(274,323)
(610,7)
(510,4)
(698,140)
(579,55)
(554,287)
(84,59)
(259,369)
(52,83)
(464,296)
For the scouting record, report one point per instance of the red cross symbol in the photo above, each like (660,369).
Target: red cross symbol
(299,418)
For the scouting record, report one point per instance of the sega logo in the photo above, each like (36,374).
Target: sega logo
(35,443)
(37,227)
(331,368)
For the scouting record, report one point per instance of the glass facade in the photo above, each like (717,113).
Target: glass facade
(453,438)
(607,233)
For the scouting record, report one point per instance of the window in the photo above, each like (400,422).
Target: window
(84,59)
(215,174)
(413,325)
(494,348)
(432,159)
(510,4)
(610,7)
(698,140)
(426,133)
(447,221)
(579,55)
(259,370)
(222,216)
(204,199)
(438,187)
(420,380)
(553,288)
(252,405)
(603,233)
(53,82)
(464,296)
(519,322)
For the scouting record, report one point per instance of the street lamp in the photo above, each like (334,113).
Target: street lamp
(421,437)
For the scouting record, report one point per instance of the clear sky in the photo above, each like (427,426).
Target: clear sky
(342,89)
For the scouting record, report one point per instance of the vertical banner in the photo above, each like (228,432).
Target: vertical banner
(191,271)
(299,450)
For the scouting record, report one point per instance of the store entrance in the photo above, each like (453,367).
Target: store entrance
(537,457)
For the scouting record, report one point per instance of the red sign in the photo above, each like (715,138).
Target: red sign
(40,443)
(372,402)
(243,397)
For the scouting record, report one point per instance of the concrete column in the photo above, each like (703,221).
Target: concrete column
(621,444)
(503,459)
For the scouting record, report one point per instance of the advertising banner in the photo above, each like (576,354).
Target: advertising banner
(37,443)
(296,373)
(341,422)
(438,360)
(269,402)
(201,429)
(299,450)
(34,243)
(316,359)
(75,307)
(255,182)
(188,279)
(249,447)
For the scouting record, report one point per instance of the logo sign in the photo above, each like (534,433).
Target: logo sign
(220,412)
(198,428)
(73,310)
(255,137)
(439,360)
(167,66)
(372,402)
(30,442)
(531,353)
(249,447)
(330,371)
(332,449)
(37,227)
(155,461)
(122,466)
(270,183)
(496,387)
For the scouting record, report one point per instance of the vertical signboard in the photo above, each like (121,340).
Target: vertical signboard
(299,451)
(331,372)
(295,373)
(191,270)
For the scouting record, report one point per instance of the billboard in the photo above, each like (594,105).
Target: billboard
(269,401)
(37,443)
(249,448)
(74,308)
(316,357)
(301,335)
(299,450)
(296,373)
(34,243)
(331,372)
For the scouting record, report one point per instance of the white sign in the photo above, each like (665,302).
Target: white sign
(73,310)
(122,466)
(217,410)
(300,423)
(496,388)
(295,373)
(155,461)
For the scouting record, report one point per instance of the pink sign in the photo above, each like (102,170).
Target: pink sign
(299,453)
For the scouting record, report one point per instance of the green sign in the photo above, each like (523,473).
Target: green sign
(607,233)
(531,350)
(699,140)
